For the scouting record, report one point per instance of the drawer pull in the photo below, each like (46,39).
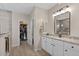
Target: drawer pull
(72,46)
(53,44)
(66,50)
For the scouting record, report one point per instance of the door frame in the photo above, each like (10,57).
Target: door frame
(19,29)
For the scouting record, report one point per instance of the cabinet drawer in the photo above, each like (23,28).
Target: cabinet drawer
(71,49)
(57,42)
(49,40)
(71,46)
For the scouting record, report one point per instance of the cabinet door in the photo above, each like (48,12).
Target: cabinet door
(5,18)
(58,48)
(49,44)
(4,25)
(71,49)
(2,46)
(44,43)
(69,52)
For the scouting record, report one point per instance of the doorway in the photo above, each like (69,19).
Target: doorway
(23,32)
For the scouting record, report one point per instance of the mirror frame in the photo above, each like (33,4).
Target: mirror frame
(69,24)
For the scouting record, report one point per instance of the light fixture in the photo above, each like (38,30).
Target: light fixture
(58,26)
(61,25)
(58,13)
(62,10)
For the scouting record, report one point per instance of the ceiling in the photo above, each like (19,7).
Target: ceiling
(25,8)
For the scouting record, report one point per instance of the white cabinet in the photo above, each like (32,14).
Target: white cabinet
(4,25)
(5,18)
(57,48)
(49,46)
(44,44)
(2,46)
(52,46)
(71,49)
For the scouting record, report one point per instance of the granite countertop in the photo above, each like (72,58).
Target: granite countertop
(73,40)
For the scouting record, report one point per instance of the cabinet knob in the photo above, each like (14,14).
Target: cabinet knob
(72,47)
(66,50)
(53,45)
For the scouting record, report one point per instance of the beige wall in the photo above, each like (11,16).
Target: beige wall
(5,27)
(38,15)
(29,28)
(74,28)
(16,18)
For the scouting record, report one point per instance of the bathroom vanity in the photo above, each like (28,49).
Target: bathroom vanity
(56,46)
(60,44)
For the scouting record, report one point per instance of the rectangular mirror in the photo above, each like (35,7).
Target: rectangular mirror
(62,24)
